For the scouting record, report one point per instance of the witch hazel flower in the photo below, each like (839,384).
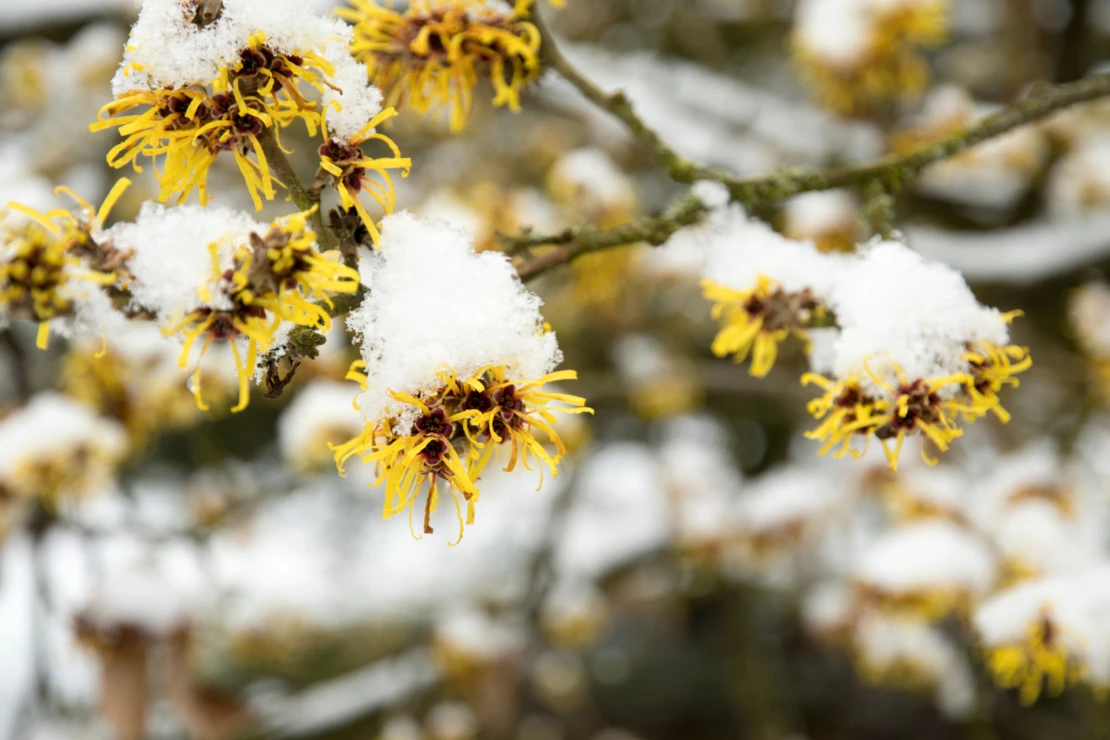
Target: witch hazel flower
(54,448)
(863,55)
(52,264)
(192,86)
(916,354)
(764,287)
(213,275)
(433,54)
(456,360)
(1047,634)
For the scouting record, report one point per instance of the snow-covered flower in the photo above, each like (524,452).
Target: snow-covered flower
(54,448)
(863,55)
(1046,634)
(915,353)
(909,654)
(456,360)
(210,274)
(765,288)
(830,219)
(433,54)
(53,265)
(191,87)
(930,569)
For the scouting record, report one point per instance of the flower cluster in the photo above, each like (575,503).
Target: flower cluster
(51,264)
(861,56)
(55,448)
(228,279)
(188,91)
(432,55)
(453,375)
(908,351)
(456,433)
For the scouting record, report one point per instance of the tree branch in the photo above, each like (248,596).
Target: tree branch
(680,168)
(303,197)
(879,180)
(585,239)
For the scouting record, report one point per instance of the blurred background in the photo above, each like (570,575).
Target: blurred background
(696,570)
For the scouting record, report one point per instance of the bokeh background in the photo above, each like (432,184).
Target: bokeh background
(695,571)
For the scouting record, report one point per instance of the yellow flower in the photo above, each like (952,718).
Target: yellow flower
(188,127)
(1040,664)
(455,435)
(275,278)
(348,169)
(887,67)
(757,320)
(42,259)
(917,406)
(434,53)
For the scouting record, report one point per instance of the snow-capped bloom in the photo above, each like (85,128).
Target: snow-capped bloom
(764,288)
(1046,634)
(52,264)
(55,447)
(929,568)
(916,353)
(209,274)
(661,384)
(433,54)
(190,88)
(863,55)
(907,653)
(456,361)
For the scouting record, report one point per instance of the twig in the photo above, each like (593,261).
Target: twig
(680,168)
(888,174)
(303,197)
(585,239)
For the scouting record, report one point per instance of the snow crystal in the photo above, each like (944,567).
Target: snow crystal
(355,102)
(811,214)
(436,306)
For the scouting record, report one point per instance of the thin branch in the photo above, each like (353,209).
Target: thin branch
(680,168)
(585,239)
(303,197)
(895,170)
(887,175)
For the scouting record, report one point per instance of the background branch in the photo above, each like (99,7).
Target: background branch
(879,181)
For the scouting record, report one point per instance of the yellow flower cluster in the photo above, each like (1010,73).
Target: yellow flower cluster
(433,54)
(887,67)
(756,321)
(934,407)
(241,111)
(43,257)
(276,277)
(457,433)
